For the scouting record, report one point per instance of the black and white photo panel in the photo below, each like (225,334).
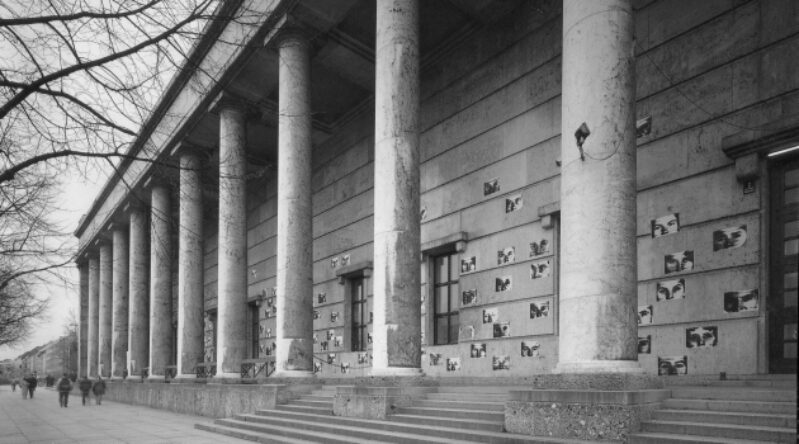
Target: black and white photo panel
(345,367)
(491,187)
(466,332)
(469,264)
(331,358)
(540,309)
(435,358)
(701,337)
(478,350)
(500,362)
(540,269)
(513,203)
(668,290)
(739,301)
(453,364)
(506,256)
(645,344)
(503,283)
(501,329)
(530,349)
(490,315)
(672,365)
(539,248)
(679,261)
(321,298)
(644,314)
(668,224)
(731,237)
(469,297)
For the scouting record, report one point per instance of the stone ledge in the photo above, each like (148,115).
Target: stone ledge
(594,397)
(372,402)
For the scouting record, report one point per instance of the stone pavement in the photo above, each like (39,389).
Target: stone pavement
(41,420)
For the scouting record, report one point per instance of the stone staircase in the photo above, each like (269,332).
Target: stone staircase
(444,415)
(755,410)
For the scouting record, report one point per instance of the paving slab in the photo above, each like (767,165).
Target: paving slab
(40,420)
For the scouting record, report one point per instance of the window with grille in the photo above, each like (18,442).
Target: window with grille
(360,314)
(445,299)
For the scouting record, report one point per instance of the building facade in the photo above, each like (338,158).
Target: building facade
(478,189)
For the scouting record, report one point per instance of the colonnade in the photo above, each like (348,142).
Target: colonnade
(127,306)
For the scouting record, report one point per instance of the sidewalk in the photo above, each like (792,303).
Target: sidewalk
(41,420)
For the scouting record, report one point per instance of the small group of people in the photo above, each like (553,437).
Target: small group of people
(27,385)
(64,386)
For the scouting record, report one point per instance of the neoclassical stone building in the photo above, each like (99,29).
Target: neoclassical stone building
(493,189)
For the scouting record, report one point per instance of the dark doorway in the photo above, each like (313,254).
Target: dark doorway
(784,266)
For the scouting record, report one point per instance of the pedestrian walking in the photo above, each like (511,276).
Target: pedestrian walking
(14,384)
(32,383)
(23,385)
(99,390)
(85,385)
(64,386)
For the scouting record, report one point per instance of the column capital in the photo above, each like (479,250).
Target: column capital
(229,101)
(289,30)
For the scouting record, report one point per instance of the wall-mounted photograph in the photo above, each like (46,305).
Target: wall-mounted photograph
(465,332)
(490,315)
(540,309)
(668,224)
(530,349)
(469,264)
(478,350)
(645,344)
(435,358)
(731,237)
(330,334)
(345,367)
(317,366)
(362,358)
(469,297)
(501,329)
(345,260)
(333,316)
(513,203)
(331,358)
(503,283)
(644,314)
(539,248)
(316,314)
(506,255)
(701,337)
(334,262)
(453,364)
(679,261)
(672,365)
(338,341)
(671,289)
(738,301)
(491,187)
(324,345)
(321,298)
(500,362)
(540,269)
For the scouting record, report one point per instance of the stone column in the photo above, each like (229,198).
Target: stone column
(83,330)
(397,314)
(93,347)
(598,289)
(160,281)
(105,312)
(232,281)
(139,293)
(294,353)
(190,267)
(119,338)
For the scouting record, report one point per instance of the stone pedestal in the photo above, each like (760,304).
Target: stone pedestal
(294,333)
(160,281)
(371,402)
(190,267)
(83,332)
(396,278)
(598,287)
(232,294)
(139,299)
(92,346)
(106,310)
(119,320)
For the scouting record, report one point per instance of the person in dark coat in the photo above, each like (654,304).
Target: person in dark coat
(85,385)
(64,386)
(32,382)
(99,390)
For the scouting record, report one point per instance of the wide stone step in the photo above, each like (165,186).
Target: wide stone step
(306,409)
(235,432)
(468,397)
(471,424)
(731,406)
(317,398)
(453,413)
(374,431)
(311,402)
(480,388)
(772,434)
(733,394)
(762,383)
(461,405)
(737,418)
(278,432)
(667,438)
